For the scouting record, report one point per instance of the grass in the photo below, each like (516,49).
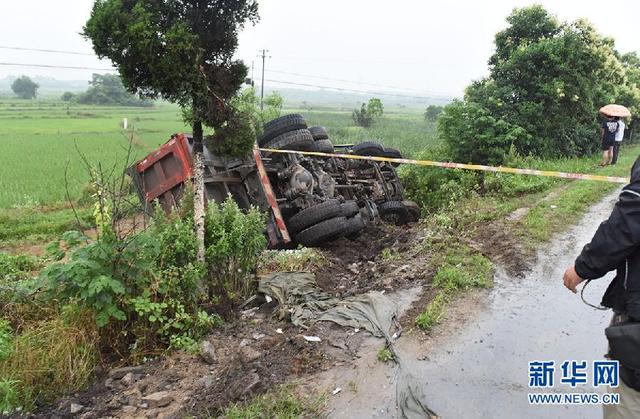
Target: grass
(48,359)
(384,354)
(460,268)
(279,403)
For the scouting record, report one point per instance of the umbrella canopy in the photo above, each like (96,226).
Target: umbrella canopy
(615,110)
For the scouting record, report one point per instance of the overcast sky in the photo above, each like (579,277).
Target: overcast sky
(422,47)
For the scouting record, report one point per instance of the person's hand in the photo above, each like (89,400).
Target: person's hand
(571,279)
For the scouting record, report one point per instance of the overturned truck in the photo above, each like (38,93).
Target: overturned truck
(310,200)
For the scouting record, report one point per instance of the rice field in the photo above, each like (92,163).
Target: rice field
(40,140)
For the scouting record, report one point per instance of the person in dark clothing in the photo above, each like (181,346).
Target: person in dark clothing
(616,245)
(608,136)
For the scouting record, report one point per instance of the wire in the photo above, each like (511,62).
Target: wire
(367,92)
(341,89)
(55,66)
(46,50)
(350,81)
(588,303)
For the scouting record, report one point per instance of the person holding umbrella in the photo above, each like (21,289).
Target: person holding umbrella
(609,129)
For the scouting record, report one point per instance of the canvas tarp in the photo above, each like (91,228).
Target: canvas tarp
(301,300)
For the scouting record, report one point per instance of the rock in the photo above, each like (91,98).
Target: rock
(129,410)
(118,373)
(75,408)
(207,352)
(248,354)
(158,399)
(244,342)
(206,382)
(258,336)
(128,379)
(245,387)
(108,383)
(143,405)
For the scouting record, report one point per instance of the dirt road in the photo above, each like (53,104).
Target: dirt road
(478,368)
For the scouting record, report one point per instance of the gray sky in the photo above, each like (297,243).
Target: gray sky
(422,47)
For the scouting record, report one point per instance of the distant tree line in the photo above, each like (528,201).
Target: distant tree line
(106,89)
(547,81)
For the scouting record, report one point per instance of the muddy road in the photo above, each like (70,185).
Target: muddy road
(476,363)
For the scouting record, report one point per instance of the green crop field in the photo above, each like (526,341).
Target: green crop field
(40,139)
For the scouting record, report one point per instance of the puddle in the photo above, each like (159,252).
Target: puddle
(480,370)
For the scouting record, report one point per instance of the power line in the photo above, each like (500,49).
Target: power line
(263,52)
(55,66)
(351,90)
(341,89)
(55,51)
(350,81)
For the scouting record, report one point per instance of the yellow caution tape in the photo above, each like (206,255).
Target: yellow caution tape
(532,172)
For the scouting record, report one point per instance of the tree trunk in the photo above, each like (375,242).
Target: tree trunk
(198,188)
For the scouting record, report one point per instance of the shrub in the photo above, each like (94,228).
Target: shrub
(233,241)
(143,288)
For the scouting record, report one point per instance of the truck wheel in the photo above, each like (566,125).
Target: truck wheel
(313,215)
(322,146)
(300,139)
(354,226)
(413,209)
(393,153)
(324,231)
(368,148)
(349,209)
(282,125)
(319,133)
(394,212)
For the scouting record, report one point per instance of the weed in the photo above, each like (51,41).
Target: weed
(9,399)
(303,259)
(384,354)
(280,403)
(433,313)
(353,386)
(50,358)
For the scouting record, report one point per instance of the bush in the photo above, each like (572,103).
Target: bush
(233,241)
(472,134)
(368,113)
(142,289)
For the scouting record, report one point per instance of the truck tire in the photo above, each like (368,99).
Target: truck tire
(313,215)
(394,212)
(322,146)
(349,209)
(324,231)
(282,125)
(413,209)
(393,153)
(299,139)
(368,148)
(354,226)
(319,133)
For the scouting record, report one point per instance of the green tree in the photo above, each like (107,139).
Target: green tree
(432,112)
(67,96)
(182,51)
(375,108)
(24,87)
(368,113)
(547,78)
(107,89)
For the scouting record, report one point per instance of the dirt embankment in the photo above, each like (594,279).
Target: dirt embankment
(257,351)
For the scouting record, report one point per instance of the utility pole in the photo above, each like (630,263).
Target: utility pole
(263,55)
